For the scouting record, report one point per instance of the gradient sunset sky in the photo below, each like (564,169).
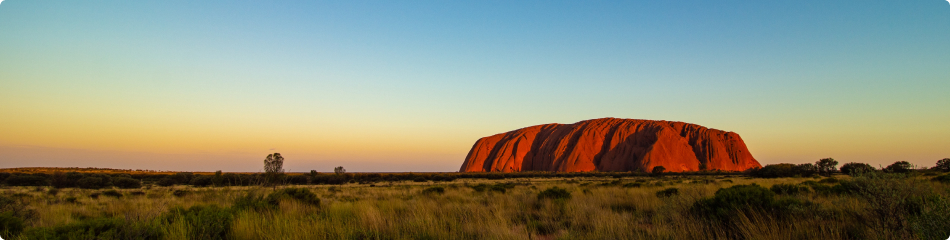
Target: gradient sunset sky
(411,85)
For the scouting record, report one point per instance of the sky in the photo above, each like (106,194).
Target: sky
(397,86)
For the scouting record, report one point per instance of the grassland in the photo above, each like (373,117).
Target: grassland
(873,206)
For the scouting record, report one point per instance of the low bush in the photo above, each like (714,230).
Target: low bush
(27,180)
(112,193)
(498,187)
(297,179)
(300,194)
(202,181)
(180,192)
(433,190)
(856,168)
(787,189)
(251,201)
(669,192)
(632,185)
(555,193)
(126,183)
(943,178)
(829,180)
(728,202)
(92,183)
(101,228)
(10,225)
(899,167)
(167,181)
(206,221)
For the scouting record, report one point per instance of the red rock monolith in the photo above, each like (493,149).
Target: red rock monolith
(610,144)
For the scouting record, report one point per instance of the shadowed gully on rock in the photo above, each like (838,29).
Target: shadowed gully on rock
(610,144)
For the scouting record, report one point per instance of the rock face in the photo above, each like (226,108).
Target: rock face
(610,144)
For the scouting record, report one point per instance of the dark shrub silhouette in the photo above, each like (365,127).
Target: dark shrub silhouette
(100,228)
(27,180)
(300,194)
(93,183)
(207,222)
(856,168)
(433,190)
(127,183)
(202,181)
(555,193)
(784,189)
(669,192)
(899,167)
(943,165)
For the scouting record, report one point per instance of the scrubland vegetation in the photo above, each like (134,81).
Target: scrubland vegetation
(871,204)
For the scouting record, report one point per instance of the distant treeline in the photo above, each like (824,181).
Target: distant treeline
(74,179)
(68,179)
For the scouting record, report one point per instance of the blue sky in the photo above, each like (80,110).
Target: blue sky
(397,86)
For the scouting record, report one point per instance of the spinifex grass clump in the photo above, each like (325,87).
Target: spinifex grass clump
(498,187)
(99,228)
(943,178)
(742,199)
(10,225)
(669,192)
(300,194)
(204,221)
(112,193)
(555,193)
(788,189)
(433,191)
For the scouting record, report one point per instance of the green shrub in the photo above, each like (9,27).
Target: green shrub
(101,228)
(300,194)
(943,165)
(727,202)
(899,167)
(127,183)
(251,201)
(784,189)
(167,181)
(943,178)
(27,180)
(92,183)
(433,190)
(856,168)
(498,187)
(202,181)
(297,179)
(112,193)
(669,192)
(10,225)
(207,222)
(632,185)
(555,193)
(180,192)
(829,180)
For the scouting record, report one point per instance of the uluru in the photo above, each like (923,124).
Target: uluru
(609,145)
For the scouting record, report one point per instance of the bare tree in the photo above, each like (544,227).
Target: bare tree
(274,163)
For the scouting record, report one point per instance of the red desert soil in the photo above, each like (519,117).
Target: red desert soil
(610,144)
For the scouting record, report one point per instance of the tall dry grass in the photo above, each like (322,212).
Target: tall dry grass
(599,208)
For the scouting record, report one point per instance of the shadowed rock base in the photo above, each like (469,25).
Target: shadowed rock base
(610,144)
